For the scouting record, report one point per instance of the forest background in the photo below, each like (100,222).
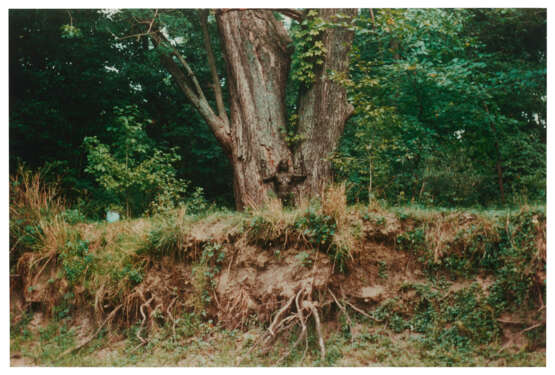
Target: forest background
(450,110)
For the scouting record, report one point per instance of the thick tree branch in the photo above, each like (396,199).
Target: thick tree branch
(219,127)
(183,62)
(373,19)
(212,64)
(175,71)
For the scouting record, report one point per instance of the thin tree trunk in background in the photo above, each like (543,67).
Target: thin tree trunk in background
(500,175)
(370,179)
(498,165)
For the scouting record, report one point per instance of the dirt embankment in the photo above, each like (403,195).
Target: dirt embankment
(285,272)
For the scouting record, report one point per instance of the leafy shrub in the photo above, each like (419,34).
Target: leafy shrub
(73,216)
(135,175)
(197,203)
(318,229)
(77,262)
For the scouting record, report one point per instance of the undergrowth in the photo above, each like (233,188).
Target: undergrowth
(154,281)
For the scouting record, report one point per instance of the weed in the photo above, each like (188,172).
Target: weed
(376,219)
(21,326)
(63,310)
(260,231)
(32,204)
(161,241)
(382,269)
(414,241)
(129,273)
(77,262)
(318,229)
(73,216)
(197,203)
(304,258)
(204,276)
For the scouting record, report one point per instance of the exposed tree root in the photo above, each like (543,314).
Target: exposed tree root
(301,320)
(344,310)
(360,311)
(537,325)
(169,313)
(48,258)
(276,287)
(299,313)
(279,314)
(237,309)
(312,307)
(138,334)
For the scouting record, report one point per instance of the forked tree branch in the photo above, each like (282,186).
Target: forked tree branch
(183,62)
(212,64)
(219,127)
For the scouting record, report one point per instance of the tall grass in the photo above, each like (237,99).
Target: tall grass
(34,206)
(31,199)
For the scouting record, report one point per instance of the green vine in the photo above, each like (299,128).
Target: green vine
(307,59)
(309,48)
(291,134)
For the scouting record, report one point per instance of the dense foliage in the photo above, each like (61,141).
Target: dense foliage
(133,172)
(450,105)
(64,87)
(446,113)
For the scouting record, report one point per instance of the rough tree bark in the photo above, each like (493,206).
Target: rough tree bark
(323,108)
(257,51)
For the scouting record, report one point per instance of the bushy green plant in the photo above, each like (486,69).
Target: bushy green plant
(76,259)
(73,216)
(136,175)
(317,228)
(197,203)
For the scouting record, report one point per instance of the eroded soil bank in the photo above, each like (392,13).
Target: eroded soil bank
(322,285)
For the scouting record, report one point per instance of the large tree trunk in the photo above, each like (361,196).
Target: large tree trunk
(257,50)
(258,58)
(323,108)
(257,53)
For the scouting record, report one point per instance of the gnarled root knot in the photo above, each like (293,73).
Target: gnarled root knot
(296,311)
